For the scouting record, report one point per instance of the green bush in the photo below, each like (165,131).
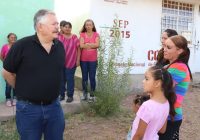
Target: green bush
(112,80)
(106,103)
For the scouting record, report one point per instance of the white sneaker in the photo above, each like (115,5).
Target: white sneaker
(14,102)
(91,99)
(84,97)
(8,103)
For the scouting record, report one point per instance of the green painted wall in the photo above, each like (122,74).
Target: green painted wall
(17,16)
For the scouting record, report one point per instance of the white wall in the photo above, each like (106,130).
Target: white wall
(144,17)
(198,37)
(75,11)
(195,47)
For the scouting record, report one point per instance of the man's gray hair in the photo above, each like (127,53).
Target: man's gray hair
(40,16)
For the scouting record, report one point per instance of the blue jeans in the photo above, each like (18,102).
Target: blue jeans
(172,130)
(88,69)
(69,78)
(8,91)
(34,120)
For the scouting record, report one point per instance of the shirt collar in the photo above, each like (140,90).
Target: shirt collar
(36,39)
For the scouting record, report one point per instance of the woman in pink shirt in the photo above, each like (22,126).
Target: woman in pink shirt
(151,117)
(89,42)
(72,59)
(4,51)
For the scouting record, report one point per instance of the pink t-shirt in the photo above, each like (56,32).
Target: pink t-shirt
(89,54)
(70,45)
(154,114)
(4,50)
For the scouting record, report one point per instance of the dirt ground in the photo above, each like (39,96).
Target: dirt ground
(85,127)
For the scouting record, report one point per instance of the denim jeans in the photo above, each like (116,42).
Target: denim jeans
(8,91)
(69,78)
(34,120)
(88,68)
(172,131)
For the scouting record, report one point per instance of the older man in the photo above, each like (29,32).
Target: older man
(34,66)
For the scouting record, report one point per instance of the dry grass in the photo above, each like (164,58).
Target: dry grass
(83,127)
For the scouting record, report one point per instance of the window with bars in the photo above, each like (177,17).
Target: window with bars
(178,16)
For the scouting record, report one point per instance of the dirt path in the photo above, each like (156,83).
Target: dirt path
(190,129)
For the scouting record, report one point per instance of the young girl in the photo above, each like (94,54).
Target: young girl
(137,102)
(152,116)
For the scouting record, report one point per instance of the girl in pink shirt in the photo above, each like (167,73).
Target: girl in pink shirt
(89,42)
(151,117)
(4,51)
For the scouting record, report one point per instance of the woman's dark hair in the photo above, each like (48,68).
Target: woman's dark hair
(84,29)
(63,23)
(140,98)
(171,32)
(160,57)
(12,34)
(162,74)
(181,43)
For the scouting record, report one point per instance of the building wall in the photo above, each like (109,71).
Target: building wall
(195,48)
(17,16)
(141,19)
(144,25)
(76,12)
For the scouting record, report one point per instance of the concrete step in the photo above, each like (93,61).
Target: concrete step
(8,113)
(78,78)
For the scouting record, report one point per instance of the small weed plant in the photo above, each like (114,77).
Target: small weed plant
(112,79)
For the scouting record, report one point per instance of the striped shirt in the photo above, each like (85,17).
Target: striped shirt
(70,45)
(181,77)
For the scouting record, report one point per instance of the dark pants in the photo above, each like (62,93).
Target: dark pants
(34,120)
(172,131)
(69,78)
(88,69)
(8,91)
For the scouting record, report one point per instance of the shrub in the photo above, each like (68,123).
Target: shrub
(112,80)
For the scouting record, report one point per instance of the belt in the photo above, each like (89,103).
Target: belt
(35,102)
